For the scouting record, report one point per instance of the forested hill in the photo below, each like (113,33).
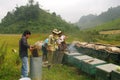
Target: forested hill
(33,18)
(109,26)
(94,20)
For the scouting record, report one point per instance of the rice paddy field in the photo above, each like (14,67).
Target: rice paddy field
(10,63)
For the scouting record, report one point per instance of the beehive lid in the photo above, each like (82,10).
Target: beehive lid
(83,57)
(108,67)
(94,61)
(72,54)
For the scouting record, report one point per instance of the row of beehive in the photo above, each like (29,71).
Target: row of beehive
(101,54)
(108,48)
(95,67)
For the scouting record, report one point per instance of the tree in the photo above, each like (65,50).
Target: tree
(31,2)
(33,18)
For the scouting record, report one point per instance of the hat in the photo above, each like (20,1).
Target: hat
(59,32)
(55,31)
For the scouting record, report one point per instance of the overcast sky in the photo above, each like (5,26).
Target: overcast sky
(69,10)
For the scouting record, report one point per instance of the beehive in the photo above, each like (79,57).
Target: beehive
(104,71)
(89,65)
(77,60)
(115,75)
(68,57)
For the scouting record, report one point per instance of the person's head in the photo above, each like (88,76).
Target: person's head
(26,33)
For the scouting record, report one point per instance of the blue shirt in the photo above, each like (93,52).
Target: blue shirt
(45,42)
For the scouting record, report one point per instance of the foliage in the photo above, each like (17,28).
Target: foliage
(35,19)
(94,20)
(7,68)
(63,72)
(10,67)
(94,34)
(3,52)
(112,25)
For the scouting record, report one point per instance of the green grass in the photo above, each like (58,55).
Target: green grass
(10,66)
(63,72)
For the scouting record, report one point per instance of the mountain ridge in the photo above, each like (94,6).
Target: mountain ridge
(95,20)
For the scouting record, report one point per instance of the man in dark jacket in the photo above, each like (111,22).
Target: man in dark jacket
(23,52)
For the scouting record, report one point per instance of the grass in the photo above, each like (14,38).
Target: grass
(10,66)
(64,72)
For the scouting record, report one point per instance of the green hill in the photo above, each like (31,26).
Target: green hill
(33,18)
(112,25)
(94,20)
(107,33)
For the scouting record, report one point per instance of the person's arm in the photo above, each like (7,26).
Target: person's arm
(49,40)
(63,38)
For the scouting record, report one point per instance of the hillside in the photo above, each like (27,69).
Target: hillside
(94,20)
(112,25)
(32,17)
(107,33)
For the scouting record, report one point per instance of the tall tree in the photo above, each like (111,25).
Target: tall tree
(31,2)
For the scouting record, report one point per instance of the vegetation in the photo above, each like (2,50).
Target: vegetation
(112,25)
(41,22)
(94,34)
(63,72)
(32,17)
(10,63)
(94,20)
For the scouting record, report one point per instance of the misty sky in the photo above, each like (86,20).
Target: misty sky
(69,10)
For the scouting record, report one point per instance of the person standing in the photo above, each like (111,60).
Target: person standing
(52,47)
(61,46)
(23,52)
(44,50)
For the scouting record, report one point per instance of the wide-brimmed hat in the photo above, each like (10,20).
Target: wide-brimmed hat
(59,32)
(55,31)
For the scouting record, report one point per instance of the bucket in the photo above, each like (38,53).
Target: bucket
(36,68)
(25,78)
